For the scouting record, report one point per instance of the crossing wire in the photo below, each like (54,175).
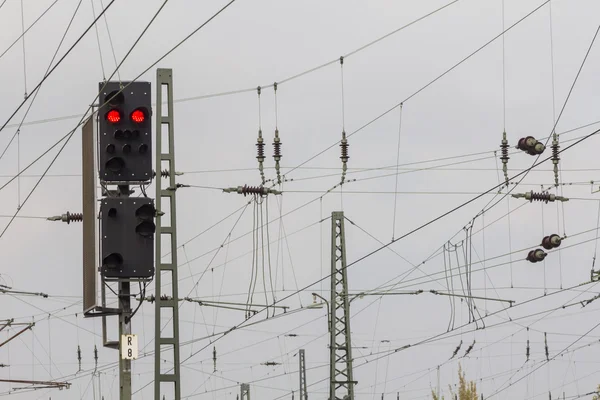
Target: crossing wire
(290,78)
(25,95)
(241,325)
(501,310)
(465,203)
(28,28)
(522,174)
(389,353)
(55,66)
(112,47)
(69,135)
(20,124)
(533,299)
(523,204)
(395,286)
(545,362)
(98,40)
(397,166)
(446,72)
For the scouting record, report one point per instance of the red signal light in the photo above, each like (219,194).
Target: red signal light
(113,116)
(138,116)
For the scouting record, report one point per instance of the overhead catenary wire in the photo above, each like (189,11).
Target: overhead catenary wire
(436,337)
(321,221)
(484,257)
(108,365)
(46,75)
(524,173)
(396,285)
(556,122)
(98,41)
(24,53)
(110,41)
(28,28)
(436,252)
(461,205)
(297,348)
(491,189)
(25,96)
(373,252)
(288,79)
(125,57)
(544,362)
(20,124)
(422,88)
(18,131)
(69,135)
(219,336)
(444,335)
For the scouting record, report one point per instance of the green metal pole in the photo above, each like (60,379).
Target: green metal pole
(166,267)
(341,383)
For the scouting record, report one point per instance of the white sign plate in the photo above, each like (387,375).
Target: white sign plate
(129,347)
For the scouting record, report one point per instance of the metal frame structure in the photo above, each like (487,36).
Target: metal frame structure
(90,244)
(244,391)
(341,381)
(302,371)
(164,79)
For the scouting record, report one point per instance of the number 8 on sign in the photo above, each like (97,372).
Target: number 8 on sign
(129,347)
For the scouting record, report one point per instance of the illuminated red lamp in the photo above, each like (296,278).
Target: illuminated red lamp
(138,116)
(113,116)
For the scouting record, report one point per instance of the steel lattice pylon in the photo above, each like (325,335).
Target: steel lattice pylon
(166,228)
(302,370)
(244,391)
(341,381)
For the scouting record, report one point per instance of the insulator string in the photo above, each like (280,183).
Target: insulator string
(277,141)
(260,143)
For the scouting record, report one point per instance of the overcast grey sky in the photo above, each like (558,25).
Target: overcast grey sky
(457,122)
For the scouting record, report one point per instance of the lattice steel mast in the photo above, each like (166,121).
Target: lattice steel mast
(244,391)
(168,230)
(341,381)
(302,373)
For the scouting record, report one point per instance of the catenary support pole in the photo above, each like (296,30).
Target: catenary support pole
(302,372)
(166,267)
(244,391)
(341,381)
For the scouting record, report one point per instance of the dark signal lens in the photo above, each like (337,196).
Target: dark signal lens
(113,116)
(138,116)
